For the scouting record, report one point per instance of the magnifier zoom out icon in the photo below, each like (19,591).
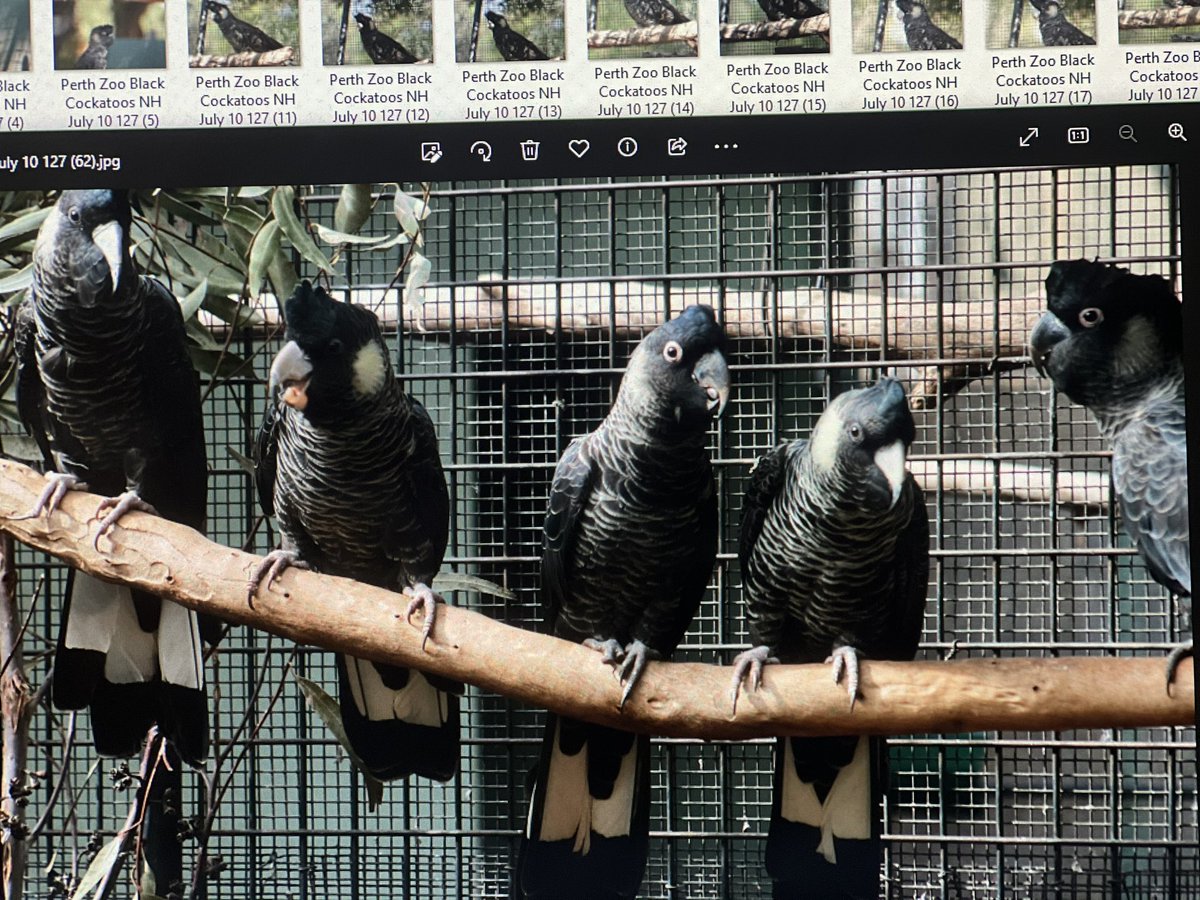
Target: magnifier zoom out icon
(1125,132)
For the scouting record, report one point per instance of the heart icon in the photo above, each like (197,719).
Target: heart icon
(579,147)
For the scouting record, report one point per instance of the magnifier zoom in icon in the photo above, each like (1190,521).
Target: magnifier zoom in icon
(1175,130)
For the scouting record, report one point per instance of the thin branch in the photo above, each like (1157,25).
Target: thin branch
(37,592)
(59,782)
(634,37)
(282,57)
(1159,18)
(675,700)
(779,30)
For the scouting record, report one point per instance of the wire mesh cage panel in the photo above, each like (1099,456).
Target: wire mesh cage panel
(540,291)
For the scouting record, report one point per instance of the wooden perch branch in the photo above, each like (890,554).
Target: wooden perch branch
(679,699)
(780,30)
(1158,18)
(1013,482)
(986,335)
(284,56)
(633,37)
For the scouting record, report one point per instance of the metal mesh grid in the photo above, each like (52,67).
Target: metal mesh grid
(1097,814)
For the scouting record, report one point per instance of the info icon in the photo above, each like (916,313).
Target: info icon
(627,147)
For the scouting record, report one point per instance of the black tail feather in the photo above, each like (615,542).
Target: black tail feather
(797,868)
(393,748)
(613,867)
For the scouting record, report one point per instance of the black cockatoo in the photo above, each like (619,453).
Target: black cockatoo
(95,56)
(919,30)
(512,45)
(835,563)
(1112,341)
(790,9)
(348,464)
(654,12)
(1057,30)
(241,36)
(106,387)
(379,46)
(630,541)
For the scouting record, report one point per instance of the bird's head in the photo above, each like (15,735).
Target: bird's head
(86,238)
(102,35)
(1047,8)
(334,357)
(865,435)
(364,21)
(677,377)
(495,20)
(218,9)
(911,8)
(1107,331)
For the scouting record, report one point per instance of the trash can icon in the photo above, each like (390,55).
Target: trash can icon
(530,150)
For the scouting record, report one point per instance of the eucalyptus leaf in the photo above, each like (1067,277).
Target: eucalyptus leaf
(104,862)
(245,218)
(283,276)
(353,208)
(24,227)
(216,364)
(18,280)
(169,203)
(419,269)
(201,336)
(370,242)
(262,252)
(282,204)
(241,459)
(237,314)
(329,712)
(18,446)
(190,304)
(406,215)
(456,581)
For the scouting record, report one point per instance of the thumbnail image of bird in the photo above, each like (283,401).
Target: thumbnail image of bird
(629,544)
(1112,342)
(654,12)
(242,36)
(1057,30)
(379,46)
(920,31)
(348,464)
(107,389)
(512,46)
(835,564)
(96,54)
(790,9)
